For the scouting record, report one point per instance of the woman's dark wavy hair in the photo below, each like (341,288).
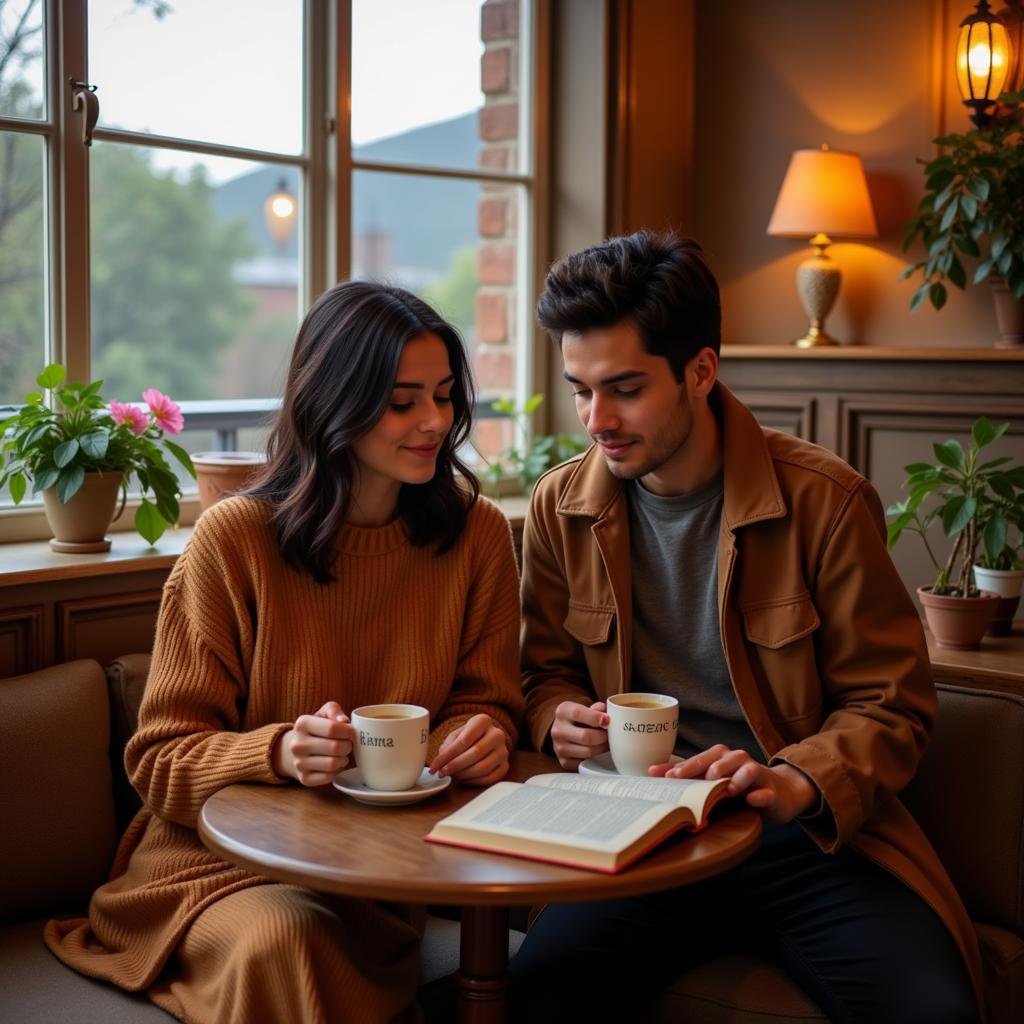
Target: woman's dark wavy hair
(660,282)
(342,371)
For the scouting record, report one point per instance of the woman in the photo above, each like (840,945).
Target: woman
(357,570)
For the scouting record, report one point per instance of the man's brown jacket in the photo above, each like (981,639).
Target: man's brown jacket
(824,646)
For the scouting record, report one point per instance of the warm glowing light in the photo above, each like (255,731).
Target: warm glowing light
(279,214)
(282,206)
(824,191)
(982,59)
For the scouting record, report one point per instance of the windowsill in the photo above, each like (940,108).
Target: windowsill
(35,562)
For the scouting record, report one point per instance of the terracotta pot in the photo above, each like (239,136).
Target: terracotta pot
(80,526)
(958,622)
(220,474)
(1007,584)
(1009,316)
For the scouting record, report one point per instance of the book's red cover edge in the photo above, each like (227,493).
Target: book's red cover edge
(642,852)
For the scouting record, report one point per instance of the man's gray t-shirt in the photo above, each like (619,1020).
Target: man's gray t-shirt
(677,647)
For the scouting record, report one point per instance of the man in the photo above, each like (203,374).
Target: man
(743,571)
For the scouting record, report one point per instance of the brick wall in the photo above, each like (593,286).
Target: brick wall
(497,211)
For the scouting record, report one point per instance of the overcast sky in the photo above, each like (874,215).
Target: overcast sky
(229,70)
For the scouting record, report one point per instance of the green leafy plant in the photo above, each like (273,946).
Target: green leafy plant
(969,498)
(55,443)
(1000,518)
(974,196)
(545,450)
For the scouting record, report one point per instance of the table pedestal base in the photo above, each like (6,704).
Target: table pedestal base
(483,975)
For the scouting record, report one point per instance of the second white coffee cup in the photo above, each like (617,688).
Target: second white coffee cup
(642,730)
(391,744)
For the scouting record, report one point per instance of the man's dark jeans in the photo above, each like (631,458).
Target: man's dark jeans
(853,937)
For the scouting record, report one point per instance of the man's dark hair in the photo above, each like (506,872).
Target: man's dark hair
(660,282)
(342,372)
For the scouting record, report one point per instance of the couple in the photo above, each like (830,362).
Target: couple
(688,552)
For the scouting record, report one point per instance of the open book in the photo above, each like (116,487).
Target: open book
(586,821)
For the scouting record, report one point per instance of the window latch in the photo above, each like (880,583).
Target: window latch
(83,98)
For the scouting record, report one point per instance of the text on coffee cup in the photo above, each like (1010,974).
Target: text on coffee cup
(650,726)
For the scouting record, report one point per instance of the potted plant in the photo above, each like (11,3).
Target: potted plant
(79,452)
(544,451)
(973,209)
(1000,567)
(960,490)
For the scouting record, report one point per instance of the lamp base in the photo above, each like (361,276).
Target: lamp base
(817,283)
(815,338)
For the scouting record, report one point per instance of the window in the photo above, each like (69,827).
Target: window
(225,187)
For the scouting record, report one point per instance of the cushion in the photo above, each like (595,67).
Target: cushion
(126,680)
(1002,953)
(968,796)
(735,989)
(39,989)
(58,835)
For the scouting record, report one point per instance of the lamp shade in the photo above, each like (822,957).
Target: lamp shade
(823,192)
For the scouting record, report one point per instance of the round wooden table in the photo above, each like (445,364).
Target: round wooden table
(326,841)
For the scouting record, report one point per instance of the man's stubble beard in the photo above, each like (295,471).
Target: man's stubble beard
(664,445)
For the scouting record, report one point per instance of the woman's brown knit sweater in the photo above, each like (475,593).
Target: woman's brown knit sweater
(244,646)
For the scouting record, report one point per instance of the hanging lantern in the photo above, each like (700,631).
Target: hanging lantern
(279,213)
(983,61)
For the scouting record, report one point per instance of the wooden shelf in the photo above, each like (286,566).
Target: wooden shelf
(875,352)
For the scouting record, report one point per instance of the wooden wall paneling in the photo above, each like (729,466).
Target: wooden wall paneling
(106,627)
(794,414)
(917,424)
(21,639)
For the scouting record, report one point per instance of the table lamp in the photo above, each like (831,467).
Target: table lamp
(824,193)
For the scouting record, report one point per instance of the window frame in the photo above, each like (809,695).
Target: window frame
(326,158)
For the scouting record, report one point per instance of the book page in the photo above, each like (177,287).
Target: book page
(690,793)
(558,815)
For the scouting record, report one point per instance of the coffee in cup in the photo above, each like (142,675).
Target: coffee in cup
(391,744)
(642,730)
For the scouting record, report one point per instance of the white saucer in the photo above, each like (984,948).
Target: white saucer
(350,782)
(603,764)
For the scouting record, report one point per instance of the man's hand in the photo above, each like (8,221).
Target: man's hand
(579,732)
(476,754)
(316,748)
(780,792)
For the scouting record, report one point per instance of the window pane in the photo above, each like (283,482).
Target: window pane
(191,293)
(436,83)
(456,244)
(227,72)
(22,264)
(21,59)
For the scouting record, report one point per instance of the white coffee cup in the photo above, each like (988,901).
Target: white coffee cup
(642,730)
(391,744)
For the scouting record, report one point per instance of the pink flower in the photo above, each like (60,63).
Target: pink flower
(131,414)
(165,412)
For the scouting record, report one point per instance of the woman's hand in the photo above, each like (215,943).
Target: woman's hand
(476,754)
(316,748)
(781,792)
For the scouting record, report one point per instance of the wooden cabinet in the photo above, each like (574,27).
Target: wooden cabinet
(56,608)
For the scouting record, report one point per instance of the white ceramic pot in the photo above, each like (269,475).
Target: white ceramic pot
(1007,584)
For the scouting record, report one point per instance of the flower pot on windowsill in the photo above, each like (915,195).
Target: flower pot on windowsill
(1007,584)
(220,474)
(958,622)
(79,526)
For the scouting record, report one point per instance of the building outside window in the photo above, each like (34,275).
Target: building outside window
(226,186)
